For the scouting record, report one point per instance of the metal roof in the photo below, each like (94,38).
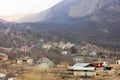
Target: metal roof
(82,66)
(2,54)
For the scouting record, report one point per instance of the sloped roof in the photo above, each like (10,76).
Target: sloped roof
(82,66)
(2,54)
(26,58)
(44,60)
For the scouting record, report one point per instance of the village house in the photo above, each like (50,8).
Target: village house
(117,62)
(3,56)
(83,69)
(25,61)
(44,62)
(64,52)
(62,45)
(25,49)
(46,46)
(2,76)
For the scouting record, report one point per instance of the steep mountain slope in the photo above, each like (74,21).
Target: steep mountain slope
(68,9)
(97,21)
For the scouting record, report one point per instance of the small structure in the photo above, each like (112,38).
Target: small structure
(25,61)
(3,56)
(44,62)
(25,49)
(12,79)
(78,59)
(97,64)
(64,52)
(117,62)
(83,69)
(107,68)
(2,75)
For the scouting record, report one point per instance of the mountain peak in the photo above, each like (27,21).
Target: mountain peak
(69,9)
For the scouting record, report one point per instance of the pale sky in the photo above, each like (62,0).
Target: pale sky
(13,7)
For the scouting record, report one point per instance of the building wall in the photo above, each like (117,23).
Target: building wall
(4,58)
(118,62)
(45,65)
(30,62)
(19,61)
(83,73)
(25,62)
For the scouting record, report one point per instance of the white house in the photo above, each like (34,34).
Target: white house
(2,75)
(44,62)
(83,69)
(117,62)
(25,60)
(64,52)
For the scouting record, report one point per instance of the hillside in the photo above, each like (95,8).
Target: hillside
(94,21)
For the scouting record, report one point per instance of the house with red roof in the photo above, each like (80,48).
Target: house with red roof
(3,56)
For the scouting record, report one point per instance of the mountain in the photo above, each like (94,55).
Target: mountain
(14,18)
(69,9)
(94,21)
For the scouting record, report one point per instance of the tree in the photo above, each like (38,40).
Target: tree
(73,50)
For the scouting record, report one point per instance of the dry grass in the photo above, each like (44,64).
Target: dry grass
(38,74)
(58,74)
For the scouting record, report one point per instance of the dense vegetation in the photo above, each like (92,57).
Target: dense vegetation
(15,35)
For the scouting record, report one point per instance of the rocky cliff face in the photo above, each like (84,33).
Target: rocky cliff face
(72,9)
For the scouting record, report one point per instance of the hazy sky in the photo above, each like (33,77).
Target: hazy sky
(13,7)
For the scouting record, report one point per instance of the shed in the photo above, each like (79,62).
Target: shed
(3,56)
(107,68)
(117,62)
(25,61)
(64,52)
(44,62)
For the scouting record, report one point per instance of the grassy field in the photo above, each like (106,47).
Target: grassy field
(62,74)
(39,74)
